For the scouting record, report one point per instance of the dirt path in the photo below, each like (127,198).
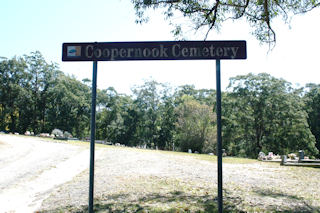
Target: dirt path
(30,168)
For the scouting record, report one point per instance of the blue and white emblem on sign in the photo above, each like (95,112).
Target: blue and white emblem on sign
(73,51)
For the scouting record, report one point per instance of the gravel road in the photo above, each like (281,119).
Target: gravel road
(30,168)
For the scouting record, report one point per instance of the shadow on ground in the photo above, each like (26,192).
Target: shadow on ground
(173,202)
(300,205)
(179,202)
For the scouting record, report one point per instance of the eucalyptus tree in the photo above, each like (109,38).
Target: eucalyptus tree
(167,120)
(130,116)
(265,114)
(110,124)
(13,80)
(195,125)
(148,100)
(204,96)
(69,106)
(212,14)
(312,101)
(41,78)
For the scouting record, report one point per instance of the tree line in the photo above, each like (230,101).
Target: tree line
(259,112)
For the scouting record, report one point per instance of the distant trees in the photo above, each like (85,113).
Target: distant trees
(148,98)
(167,121)
(259,112)
(195,126)
(14,84)
(37,97)
(114,117)
(263,113)
(68,106)
(312,106)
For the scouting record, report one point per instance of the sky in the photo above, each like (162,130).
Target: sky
(37,25)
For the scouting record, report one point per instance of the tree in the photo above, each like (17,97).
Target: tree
(42,77)
(211,14)
(130,115)
(13,80)
(203,96)
(167,122)
(36,96)
(265,114)
(110,124)
(69,106)
(148,100)
(312,100)
(195,125)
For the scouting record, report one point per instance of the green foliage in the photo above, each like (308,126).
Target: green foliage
(116,117)
(194,125)
(312,100)
(69,106)
(167,122)
(211,15)
(36,96)
(260,112)
(148,101)
(13,81)
(265,114)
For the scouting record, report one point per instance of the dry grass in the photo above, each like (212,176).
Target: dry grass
(133,180)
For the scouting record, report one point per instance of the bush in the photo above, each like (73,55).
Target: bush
(210,144)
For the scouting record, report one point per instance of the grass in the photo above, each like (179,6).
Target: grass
(232,160)
(206,157)
(288,191)
(155,195)
(213,158)
(253,187)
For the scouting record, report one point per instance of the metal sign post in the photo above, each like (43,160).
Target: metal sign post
(219,137)
(154,50)
(93,134)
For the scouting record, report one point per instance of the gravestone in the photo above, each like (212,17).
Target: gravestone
(283,159)
(301,155)
(261,156)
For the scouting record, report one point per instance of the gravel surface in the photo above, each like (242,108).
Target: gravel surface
(30,168)
(127,178)
(134,180)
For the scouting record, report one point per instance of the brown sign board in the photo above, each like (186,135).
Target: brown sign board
(154,50)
